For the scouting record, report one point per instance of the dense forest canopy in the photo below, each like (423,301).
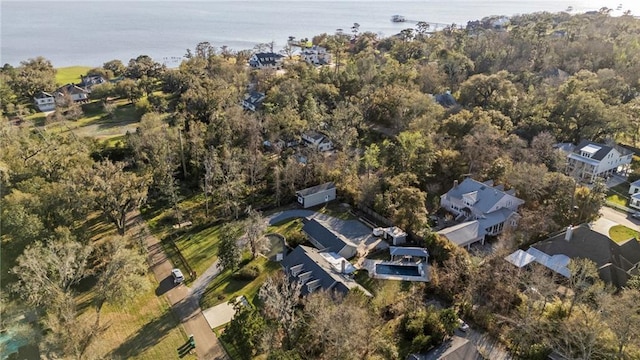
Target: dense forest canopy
(543,79)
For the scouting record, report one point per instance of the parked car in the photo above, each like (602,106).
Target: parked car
(636,215)
(463,325)
(178,278)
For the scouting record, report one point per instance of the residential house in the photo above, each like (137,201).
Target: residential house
(317,141)
(77,93)
(45,101)
(446,100)
(327,241)
(253,100)
(455,348)
(89,81)
(482,209)
(634,194)
(616,262)
(317,271)
(316,195)
(266,61)
(316,55)
(590,160)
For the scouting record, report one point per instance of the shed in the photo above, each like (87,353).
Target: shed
(316,195)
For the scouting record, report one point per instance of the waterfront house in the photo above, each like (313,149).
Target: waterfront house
(481,210)
(589,161)
(316,55)
(45,101)
(266,61)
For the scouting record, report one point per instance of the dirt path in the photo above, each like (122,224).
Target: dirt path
(181,298)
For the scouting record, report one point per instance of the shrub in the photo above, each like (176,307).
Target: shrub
(247,273)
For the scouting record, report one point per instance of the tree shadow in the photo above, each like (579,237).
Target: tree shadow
(148,336)
(164,286)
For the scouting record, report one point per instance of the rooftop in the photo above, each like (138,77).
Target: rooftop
(316,189)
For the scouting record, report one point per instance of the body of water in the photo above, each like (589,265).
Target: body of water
(93,32)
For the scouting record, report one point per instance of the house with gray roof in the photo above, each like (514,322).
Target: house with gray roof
(45,101)
(616,262)
(317,141)
(266,61)
(455,348)
(590,160)
(253,100)
(316,195)
(481,209)
(634,194)
(315,272)
(328,241)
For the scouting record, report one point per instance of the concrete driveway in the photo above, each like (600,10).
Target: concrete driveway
(619,217)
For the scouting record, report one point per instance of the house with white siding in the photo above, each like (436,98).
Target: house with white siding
(45,101)
(266,61)
(634,194)
(589,161)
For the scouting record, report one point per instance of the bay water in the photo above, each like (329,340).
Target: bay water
(93,32)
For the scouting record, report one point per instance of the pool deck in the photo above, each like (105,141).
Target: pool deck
(370,266)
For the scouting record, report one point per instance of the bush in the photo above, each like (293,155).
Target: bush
(247,273)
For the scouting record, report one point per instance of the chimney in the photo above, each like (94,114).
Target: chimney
(569,233)
(455,184)
(343,266)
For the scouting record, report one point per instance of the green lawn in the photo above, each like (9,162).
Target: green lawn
(620,233)
(619,194)
(70,74)
(143,329)
(226,287)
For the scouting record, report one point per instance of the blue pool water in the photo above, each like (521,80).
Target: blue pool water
(405,270)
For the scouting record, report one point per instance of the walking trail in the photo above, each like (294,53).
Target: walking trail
(184,301)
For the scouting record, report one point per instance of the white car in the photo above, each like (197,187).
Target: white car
(463,325)
(178,278)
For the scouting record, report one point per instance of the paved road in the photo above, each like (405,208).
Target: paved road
(183,301)
(620,217)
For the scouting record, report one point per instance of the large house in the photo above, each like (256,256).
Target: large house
(45,101)
(590,160)
(317,270)
(634,194)
(89,81)
(616,262)
(76,93)
(482,210)
(316,55)
(327,241)
(266,61)
(317,141)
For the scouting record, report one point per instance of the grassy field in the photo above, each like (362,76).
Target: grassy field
(226,287)
(620,233)
(143,329)
(70,74)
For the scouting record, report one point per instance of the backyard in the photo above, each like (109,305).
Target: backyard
(621,233)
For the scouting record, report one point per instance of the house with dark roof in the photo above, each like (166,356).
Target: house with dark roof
(316,55)
(89,81)
(266,61)
(455,348)
(590,160)
(327,241)
(315,271)
(45,101)
(76,93)
(317,141)
(253,100)
(316,195)
(616,262)
(445,99)
(481,210)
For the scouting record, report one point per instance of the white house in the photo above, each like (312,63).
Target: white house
(634,194)
(45,101)
(590,160)
(316,195)
(317,141)
(481,208)
(316,55)
(77,93)
(266,61)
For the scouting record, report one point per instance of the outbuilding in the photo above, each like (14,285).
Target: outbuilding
(316,195)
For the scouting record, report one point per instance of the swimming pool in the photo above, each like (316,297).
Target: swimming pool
(404,270)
